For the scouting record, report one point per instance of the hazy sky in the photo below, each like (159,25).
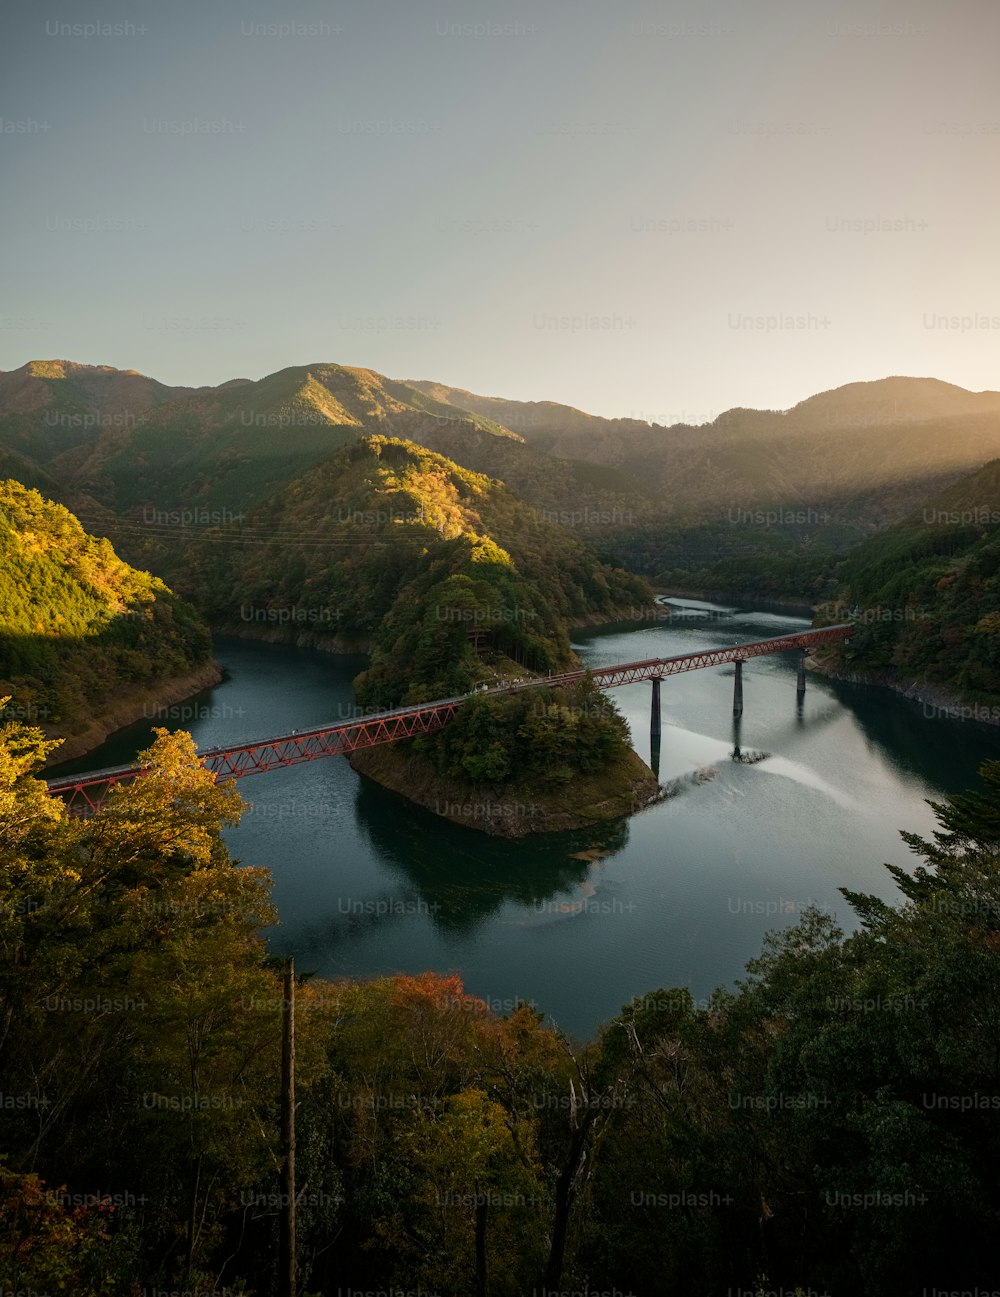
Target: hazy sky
(656,210)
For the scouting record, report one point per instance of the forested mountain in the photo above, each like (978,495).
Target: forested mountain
(925,594)
(721,503)
(735,493)
(77,625)
(52,410)
(567,432)
(177,453)
(389,543)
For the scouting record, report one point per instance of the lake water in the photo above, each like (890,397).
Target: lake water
(580,923)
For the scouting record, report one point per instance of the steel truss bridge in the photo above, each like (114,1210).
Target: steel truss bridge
(85,793)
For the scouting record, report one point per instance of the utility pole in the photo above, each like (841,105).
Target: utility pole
(286,1275)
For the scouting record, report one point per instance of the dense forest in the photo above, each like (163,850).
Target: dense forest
(385,534)
(79,625)
(925,595)
(830,1125)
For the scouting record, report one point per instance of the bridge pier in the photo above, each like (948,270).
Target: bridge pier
(800,684)
(654,728)
(738,689)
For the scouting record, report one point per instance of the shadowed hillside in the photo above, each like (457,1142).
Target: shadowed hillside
(926,596)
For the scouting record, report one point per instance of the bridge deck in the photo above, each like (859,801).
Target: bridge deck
(86,792)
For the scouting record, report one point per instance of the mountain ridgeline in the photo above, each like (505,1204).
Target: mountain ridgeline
(725,502)
(742,498)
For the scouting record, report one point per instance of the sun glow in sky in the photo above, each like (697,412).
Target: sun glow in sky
(648,210)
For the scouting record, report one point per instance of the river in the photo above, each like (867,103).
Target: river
(578,924)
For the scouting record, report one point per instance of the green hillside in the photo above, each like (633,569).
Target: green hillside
(390,544)
(925,594)
(226,450)
(53,411)
(77,625)
(231,447)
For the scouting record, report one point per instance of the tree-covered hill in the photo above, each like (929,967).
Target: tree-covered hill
(452,582)
(233,446)
(925,594)
(77,625)
(52,410)
(387,542)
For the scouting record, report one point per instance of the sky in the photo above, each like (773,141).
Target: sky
(647,210)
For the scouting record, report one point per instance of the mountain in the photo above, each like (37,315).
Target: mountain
(739,494)
(138,473)
(50,408)
(735,505)
(81,632)
(235,445)
(94,389)
(559,429)
(563,430)
(892,402)
(925,597)
(359,545)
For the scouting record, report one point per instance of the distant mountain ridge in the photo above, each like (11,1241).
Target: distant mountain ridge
(278,493)
(669,501)
(235,446)
(884,400)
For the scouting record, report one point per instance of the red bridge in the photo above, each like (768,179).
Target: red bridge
(86,792)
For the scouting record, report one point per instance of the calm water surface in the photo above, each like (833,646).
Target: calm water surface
(579,924)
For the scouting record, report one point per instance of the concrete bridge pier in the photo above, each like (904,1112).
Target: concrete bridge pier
(738,689)
(800,684)
(654,728)
(654,755)
(654,715)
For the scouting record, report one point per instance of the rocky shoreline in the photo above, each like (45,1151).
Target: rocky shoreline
(130,706)
(729,596)
(939,703)
(503,812)
(272,633)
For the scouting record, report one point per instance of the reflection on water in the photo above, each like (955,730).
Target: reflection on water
(465,877)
